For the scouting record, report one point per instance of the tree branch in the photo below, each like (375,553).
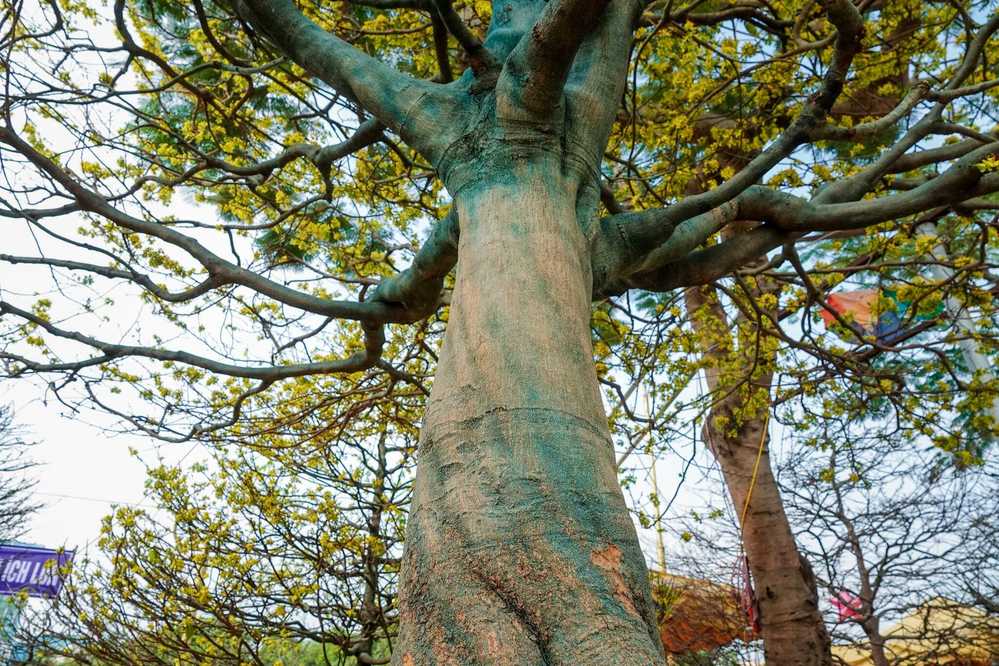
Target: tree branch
(535,73)
(785,216)
(855,186)
(374,340)
(963,181)
(440,48)
(658,223)
(417,289)
(708,265)
(619,250)
(220,271)
(479,56)
(874,127)
(409,107)
(111,273)
(323,157)
(598,77)
(837,206)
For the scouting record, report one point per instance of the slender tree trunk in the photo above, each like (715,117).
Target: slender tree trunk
(871,623)
(372,612)
(792,627)
(520,549)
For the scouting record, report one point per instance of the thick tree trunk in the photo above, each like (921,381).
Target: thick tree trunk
(520,549)
(792,627)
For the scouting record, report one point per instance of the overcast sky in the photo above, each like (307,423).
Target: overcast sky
(82,470)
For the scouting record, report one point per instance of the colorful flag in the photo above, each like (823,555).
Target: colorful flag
(878,313)
(35,571)
(874,312)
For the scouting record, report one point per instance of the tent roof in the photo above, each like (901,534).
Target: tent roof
(698,614)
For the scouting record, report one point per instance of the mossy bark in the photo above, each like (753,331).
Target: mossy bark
(520,549)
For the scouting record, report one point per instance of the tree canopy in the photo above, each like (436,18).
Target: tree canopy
(234,223)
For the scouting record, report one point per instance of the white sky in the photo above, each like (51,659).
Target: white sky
(82,469)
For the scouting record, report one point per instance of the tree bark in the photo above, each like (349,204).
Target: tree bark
(792,627)
(794,633)
(520,548)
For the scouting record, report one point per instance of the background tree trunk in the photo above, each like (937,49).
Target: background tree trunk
(740,375)
(520,549)
(792,627)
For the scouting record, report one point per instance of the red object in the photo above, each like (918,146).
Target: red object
(747,598)
(848,605)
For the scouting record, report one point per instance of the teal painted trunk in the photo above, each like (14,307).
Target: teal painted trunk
(520,549)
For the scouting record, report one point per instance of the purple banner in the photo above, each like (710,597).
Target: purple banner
(36,571)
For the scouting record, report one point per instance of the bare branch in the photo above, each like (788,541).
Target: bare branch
(374,340)
(144,280)
(219,270)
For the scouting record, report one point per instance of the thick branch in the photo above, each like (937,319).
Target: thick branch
(874,127)
(923,158)
(479,56)
(961,182)
(708,265)
(374,340)
(409,107)
(658,223)
(786,215)
(417,289)
(219,270)
(597,79)
(619,249)
(536,71)
(440,49)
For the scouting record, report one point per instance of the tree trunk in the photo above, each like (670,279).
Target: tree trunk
(520,549)
(792,627)
(741,375)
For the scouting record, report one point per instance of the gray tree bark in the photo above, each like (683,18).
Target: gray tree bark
(520,548)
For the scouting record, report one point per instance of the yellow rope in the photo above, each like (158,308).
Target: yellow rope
(756,469)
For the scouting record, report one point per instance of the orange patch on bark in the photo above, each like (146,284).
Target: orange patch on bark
(407,660)
(608,559)
(493,642)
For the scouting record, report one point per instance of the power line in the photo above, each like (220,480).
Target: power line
(97,499)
